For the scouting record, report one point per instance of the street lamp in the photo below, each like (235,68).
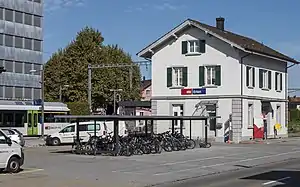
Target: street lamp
(115,90)
(60,91)
(43,98)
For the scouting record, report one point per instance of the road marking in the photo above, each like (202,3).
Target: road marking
(202,159)
(272,182)
(224,163)
(229,156)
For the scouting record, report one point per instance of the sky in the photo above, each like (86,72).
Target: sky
(133,24)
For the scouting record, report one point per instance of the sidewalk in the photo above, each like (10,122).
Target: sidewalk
(34,142)
(270,140)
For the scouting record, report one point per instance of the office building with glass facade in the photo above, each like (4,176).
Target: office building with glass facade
(21,51)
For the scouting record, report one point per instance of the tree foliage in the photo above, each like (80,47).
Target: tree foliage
(68,66)
(78,108)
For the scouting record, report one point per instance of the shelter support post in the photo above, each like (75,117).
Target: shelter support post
(77,130)
(181,127)
(206,132)
(116,136)
(116,131)
(146,127)
(190,129)
(95,135)
(173,126)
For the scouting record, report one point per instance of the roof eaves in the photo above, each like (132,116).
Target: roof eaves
(163,38)
(286,59)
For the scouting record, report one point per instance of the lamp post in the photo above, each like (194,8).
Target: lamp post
(115,90)
(42,98)
(60,91)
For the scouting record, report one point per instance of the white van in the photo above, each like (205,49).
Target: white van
(11,154)
(67,134)
(122,127)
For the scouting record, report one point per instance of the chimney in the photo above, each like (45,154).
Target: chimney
(144,78)
(220,23)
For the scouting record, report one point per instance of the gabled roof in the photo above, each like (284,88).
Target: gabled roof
(243,43)
(145,84)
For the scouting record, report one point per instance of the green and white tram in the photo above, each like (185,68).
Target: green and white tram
(26,116)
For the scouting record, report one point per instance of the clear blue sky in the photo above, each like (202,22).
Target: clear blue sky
(133,24)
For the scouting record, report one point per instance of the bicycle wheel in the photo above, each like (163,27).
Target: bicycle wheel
(190,144)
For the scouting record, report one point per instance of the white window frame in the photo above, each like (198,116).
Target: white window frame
(212,75)
(250,115)
(279,81)
(179,109)
(250,76)
(195,44)
(148,93)
(265,78)
(177,76)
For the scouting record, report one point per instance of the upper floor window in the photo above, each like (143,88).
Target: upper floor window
(278,81)
(210,75)
(147,93)
(18,17)
(250,77)
(265,79)
(176,76)
(9,15)
(193,46)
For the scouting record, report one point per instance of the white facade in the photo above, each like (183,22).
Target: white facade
(232,92)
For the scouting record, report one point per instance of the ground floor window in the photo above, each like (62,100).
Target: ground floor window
(278,114)
(177,110)
(250,115)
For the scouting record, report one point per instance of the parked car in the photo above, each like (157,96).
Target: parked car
(68,134)
(12,155)
(15,135)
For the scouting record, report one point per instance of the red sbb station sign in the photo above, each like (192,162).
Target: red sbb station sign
(193,91)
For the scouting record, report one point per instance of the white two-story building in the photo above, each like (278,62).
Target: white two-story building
(205,70)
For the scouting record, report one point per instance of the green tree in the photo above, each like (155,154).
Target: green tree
(68,66)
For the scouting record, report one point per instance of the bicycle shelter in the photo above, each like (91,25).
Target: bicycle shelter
(117,118)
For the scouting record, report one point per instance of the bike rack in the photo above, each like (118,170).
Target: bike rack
(117,118)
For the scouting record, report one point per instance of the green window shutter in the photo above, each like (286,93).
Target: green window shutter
(218,75)
(260,78)
(253,77)
(184,76)
(276,80)
(269,79)
(184,48)
(169,77)
(201,76)
(201,46)
(247,76)
(281,81)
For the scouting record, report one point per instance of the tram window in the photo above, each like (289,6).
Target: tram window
(8,119)
(29,119)
(20,119)
(49,118)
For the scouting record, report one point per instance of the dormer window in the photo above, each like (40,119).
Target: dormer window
(193,47)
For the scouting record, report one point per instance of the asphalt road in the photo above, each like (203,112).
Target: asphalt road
(281,174)
(53,166)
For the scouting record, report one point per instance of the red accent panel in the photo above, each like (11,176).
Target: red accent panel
(258,132)
(187,91)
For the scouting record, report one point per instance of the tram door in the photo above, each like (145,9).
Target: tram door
(32,122)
